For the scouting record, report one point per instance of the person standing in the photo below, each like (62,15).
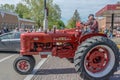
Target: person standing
(106,31)
(110,34)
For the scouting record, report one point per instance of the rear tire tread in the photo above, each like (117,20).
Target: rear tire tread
(79,56)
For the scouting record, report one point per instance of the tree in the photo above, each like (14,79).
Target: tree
(8,7)
(23,11)
(60,24)
(36,7)
(73,20)
(37,11)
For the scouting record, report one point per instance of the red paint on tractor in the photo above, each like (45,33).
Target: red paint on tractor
(61,43)
(97,59)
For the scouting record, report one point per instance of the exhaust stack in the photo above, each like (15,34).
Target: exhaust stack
(45,22)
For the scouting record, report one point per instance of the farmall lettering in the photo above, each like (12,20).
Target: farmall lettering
(62,39)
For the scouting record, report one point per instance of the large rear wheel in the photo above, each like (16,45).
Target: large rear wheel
(97,58)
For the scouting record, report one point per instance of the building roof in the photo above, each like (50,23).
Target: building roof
(10,15)
(109,9)
(8,12)
(26,20)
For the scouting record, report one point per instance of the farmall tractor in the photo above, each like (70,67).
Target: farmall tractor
(95,56)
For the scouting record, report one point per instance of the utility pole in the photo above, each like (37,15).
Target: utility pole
(112,21)
(45,22)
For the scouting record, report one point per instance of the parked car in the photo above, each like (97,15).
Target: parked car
(10,41)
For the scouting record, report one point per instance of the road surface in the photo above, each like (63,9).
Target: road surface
(46,69)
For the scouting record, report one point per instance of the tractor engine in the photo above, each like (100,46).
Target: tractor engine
(60,43)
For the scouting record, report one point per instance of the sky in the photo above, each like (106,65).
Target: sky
(84,7)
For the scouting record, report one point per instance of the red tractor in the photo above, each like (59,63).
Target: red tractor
(95,56)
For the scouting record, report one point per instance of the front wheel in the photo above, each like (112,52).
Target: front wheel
(24,64)
(97,58)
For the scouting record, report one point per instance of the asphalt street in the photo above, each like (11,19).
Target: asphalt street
(51,68)
(6,67)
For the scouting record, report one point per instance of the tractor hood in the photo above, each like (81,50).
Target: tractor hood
(48,37)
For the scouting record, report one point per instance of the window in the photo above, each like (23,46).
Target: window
(17,35)
(7,36)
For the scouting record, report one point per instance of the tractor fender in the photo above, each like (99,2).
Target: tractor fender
(86,36)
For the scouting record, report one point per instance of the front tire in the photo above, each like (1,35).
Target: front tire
(24,64)
(97,58)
